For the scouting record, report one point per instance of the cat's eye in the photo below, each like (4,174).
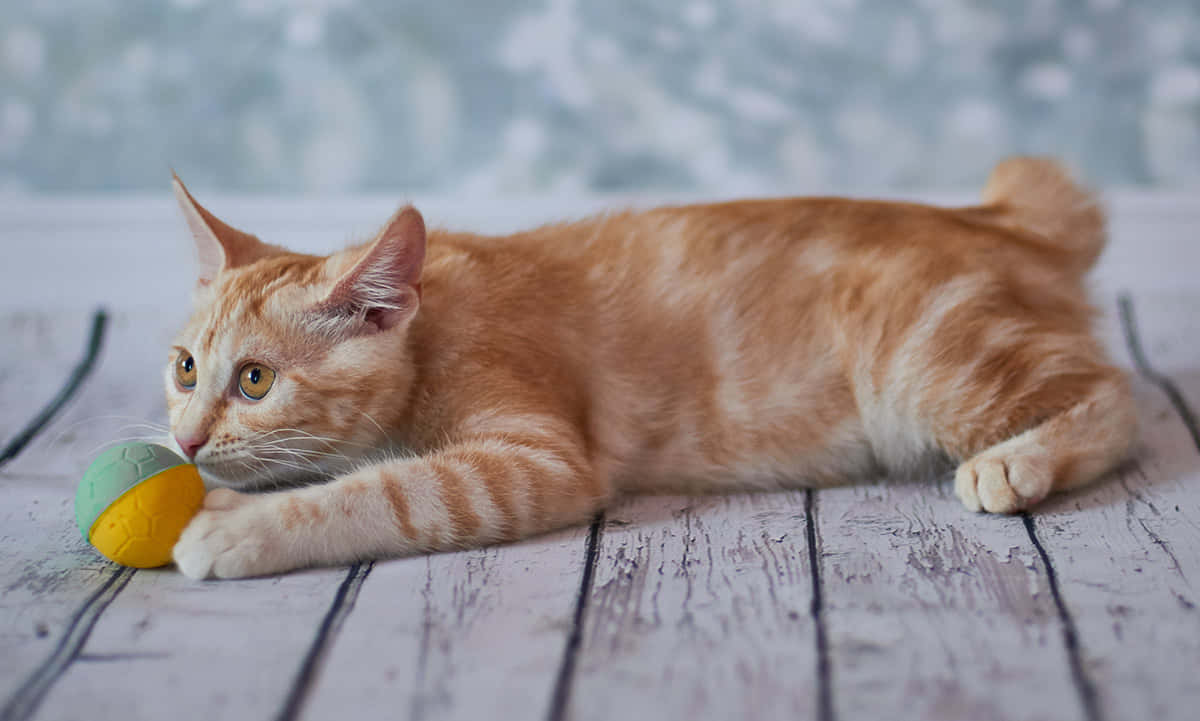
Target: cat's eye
(255,380)
(185,370)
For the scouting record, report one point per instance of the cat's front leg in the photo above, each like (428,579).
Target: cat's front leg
(234,535)
(473,493)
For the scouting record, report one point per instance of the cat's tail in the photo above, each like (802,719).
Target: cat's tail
(1039,196)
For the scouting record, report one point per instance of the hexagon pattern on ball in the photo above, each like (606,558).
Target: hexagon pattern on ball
(135,500)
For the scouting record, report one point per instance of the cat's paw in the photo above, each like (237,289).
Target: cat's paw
(1003,479)
(233,536)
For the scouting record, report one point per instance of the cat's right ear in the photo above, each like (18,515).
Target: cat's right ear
(218,246)
(383,287)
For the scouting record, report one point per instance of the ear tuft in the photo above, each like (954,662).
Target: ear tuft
(382,289)
(218,246)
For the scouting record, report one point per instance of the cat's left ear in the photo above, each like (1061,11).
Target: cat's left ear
(218,246)
(383,288)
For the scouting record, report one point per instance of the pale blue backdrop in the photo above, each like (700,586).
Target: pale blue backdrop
(566,95)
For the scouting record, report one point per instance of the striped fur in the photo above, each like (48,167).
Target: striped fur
(455,390)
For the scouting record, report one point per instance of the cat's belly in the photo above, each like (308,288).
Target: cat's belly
(803,442)
(768,461)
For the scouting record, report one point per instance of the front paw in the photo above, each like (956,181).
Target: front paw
(233,536)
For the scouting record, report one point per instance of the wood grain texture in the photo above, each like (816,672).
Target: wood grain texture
(700,608)
(47,572)
(121,396)
(172,648)
(37,354)
(934,612)
(51,571)
(166,647)
(469,635)
(1127,551)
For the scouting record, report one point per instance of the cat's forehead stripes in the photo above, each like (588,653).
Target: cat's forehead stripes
(249,288)
(243,294)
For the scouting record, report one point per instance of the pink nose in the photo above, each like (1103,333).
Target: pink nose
(191,445)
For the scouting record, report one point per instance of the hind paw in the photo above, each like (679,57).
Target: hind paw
(1003,480)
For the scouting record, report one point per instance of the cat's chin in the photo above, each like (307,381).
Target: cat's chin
(242,477)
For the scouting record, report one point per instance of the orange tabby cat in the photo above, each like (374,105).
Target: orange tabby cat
(457,390)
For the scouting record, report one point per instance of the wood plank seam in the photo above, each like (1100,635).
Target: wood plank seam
(416,711)
(817,610)
(80,373)
(339,609)
(25,701)
(1169,388)
(566,670)
(1087,689)
(1134,343)
(1088,696)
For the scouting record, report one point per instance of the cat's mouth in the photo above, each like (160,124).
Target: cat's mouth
(247,468)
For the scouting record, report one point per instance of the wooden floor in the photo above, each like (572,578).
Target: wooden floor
(879,601)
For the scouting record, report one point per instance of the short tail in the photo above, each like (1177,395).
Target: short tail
(1038,195)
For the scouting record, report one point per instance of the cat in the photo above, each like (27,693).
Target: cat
(453,390)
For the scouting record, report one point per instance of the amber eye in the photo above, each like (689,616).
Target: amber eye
(255,380)
(185,369)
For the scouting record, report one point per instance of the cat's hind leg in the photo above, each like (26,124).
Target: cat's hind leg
(1005,380)
(1069,448)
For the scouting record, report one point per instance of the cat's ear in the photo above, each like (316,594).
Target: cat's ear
(383,288)
(218,246)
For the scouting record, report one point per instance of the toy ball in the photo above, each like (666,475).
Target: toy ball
(134,502)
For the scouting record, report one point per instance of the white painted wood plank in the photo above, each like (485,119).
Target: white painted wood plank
(46,570)
(123,393)
(1127,552)
(46,573)
(700,609)
(37,353)
(172,648)
(470,635)
(1151,243)
(167,647)
(934,612)
(1169,324)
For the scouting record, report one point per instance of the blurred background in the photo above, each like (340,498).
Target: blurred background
(565,96)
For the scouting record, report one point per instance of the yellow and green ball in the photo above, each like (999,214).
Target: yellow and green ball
(134,502)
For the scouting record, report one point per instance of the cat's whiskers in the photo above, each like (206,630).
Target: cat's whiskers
(366,415)
(158,428)
(263,467)
(298,434)
(278,450)
(334,445)
(279,446)
(286,453)
(285,463)
(112,442)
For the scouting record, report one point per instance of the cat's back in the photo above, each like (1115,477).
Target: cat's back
(832,231)
(785,251)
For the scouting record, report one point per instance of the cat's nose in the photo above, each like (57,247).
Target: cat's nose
(191,444)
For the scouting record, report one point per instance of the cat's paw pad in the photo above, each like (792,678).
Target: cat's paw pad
(999,481)
(233,536)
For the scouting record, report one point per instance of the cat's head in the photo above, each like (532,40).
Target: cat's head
(291,365)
